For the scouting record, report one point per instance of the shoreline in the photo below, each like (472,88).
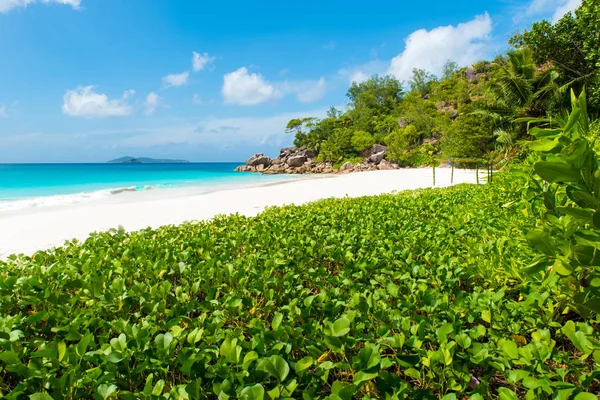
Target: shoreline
(29,230)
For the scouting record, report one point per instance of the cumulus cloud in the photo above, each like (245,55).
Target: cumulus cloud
(201,61)
(429,50)
(556,8)
(570,5)
(85,102)
(176,79)
(8,5)
(151,104)
(247,89)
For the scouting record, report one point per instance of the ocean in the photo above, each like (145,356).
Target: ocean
(36,185)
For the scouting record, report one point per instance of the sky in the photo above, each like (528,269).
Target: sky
(93,80)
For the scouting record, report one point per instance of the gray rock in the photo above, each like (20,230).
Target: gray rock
(454,114)
(470,74)
(259,159)
(296,161)
(385,165)
(376,148)
(377,157)
(347,166)
(286,151)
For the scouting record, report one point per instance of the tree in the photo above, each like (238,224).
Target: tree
(519,89)
(401,140)
(571,45)
(362,140)
(338,145)
(378,92)
(422,82)
(423,115)
(450,69)
(470,136)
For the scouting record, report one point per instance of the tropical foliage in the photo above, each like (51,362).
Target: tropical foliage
(417,295)
(568,235)
(530,80)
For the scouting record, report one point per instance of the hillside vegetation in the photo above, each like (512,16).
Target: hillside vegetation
(470,115)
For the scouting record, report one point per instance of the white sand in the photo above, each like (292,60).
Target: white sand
(27,231)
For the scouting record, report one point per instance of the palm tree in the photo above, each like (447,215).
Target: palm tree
(519,89)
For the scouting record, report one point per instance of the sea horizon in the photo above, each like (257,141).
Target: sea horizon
(28,185)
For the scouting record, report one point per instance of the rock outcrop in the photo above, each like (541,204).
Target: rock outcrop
(302,161)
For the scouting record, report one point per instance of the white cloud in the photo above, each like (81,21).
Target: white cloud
(84,102)
(429,50)
(305,91)
(556,8)
(7,5)
(3,112)
(570,5)
(201,61)
(196,99)
(152,100)
(247,89)
(176,79)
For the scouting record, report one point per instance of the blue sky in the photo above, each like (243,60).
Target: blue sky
(91,80)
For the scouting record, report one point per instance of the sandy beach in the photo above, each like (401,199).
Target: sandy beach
(26,231)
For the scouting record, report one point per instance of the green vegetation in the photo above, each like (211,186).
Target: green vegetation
(416,295)
(569,184)
(470,292)
(468,113)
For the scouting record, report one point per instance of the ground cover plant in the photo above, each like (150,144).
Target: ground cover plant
(413,295)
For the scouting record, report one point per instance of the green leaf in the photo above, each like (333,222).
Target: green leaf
(543,145)
(578,338)
(368,357)
(277,320)
(444,331)
(105,391)
(541,241)
(449,396)
(62,349)
(506,394)
(83,344)
(585,396)
(554,172)
(163,341)
(362,376)
(256,392)
(340,327)
(304,364)
(596,219)
(582,214)
(510,349)
(281,367)
(40,396)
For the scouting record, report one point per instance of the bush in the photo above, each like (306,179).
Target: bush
(416,295)
(362,140)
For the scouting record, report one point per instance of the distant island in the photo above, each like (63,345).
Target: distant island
(145,160)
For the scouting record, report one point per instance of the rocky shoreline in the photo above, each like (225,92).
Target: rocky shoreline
(302,161)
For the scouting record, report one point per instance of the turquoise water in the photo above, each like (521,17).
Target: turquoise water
(28,185)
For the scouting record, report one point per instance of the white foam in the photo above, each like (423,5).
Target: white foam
(65,199)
